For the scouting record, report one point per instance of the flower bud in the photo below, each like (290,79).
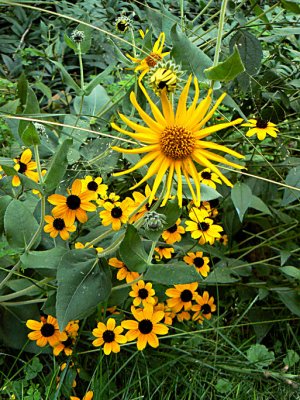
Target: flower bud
(77,36)
(154,221)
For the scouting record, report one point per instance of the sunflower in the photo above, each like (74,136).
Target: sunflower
(94,185)
(207,177)
(156,55)
(261,128)
(173,234)
(142,293)
(73,206)
(202,227)
(124,272)
(200,262)
(146,327)
(204,307)
(174,142)
(116,214)
(111,198)
(163,252)
(25,166)
(66,346)
(109,335)
(88,396)
(57,226)
(46,331)
(182,296)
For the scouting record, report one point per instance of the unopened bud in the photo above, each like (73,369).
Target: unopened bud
(77,36)
(154,221)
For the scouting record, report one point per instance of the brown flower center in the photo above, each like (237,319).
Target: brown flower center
(47,330)
(203,226)
(260,123)
(206,175)
(198,262)
(108,336)
(73,202)
(177,142)
(143,293)
(152,59)
(186,295)
(145,326)
(23,167)
(92,186)
(116,212)
(206,309)
(172,229)
(59,224)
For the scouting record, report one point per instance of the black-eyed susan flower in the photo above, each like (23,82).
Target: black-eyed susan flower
(94,185)
(57,226)
(169,314)
(45,331)
(122,23)
(116,214)
(88,396)
(164,75)
(261,128)
(199,261)
(140,198)
(204,307)
(156,55)
(109,336)
(111,198)
(143,293)
(79,245)
(146,327)
(174,142)
(25,166)
(183,316)
(182,296)
(209,178)
(163,252)
(66,345)
(75,205)
(173,234)
(223,239)
(123,271)
(202,227)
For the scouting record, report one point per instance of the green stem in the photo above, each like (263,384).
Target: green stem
(134,55)
(149,259)
(182,16)
(38,162)
(100,237)
(22,292)
(80,66)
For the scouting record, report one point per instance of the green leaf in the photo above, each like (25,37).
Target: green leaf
(27,182)
(67,79)
(291,299)
(83,282)
(47,260)
(20,225)
(192,59)
(241,196)
(58,166)
(93,104)
(258,204)
(4,202)
(260,356)
(291,358)
(32,369)
(292,179)
(132,251)
(22,88)
(89,87)
(208,193)
(221,274)
(85,45)
(260,13)
(32,108)
(226,70)
(223,386)
(69,42)
(284,256)
(291,6)
(43,88)
(291,271)
(172,274)
(30,135)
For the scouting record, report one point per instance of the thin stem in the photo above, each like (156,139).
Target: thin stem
(182,15)
(80,66)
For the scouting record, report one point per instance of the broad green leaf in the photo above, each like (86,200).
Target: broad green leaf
(223,386)
(291,358)
(93,104)
(58,166)
(292,179)
(226,70)
(47,260)
(192,59)
(291,271)
(260,356)
(258,204)
(241,196)
(90,87)
(284,256)
(4,202)
(19,225)
(221,275)
(208,193)
(32,108)
(30,135)
(70,43)
(291,6)
(259,12)
(291,299)
(83,282)
(43,88)
(68,80)
(172,274)
(132,251)
(22,89)
(79,136)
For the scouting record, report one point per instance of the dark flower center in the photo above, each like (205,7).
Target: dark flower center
(203,226)
(122,26)
(47,330)
(59,224)
(68,342)
(151,60)
(206,309)
(186,295)
(92,186)
(73,202)
(206,175)
(198,262)
(162,84)
(260,123)
(108,336)
(116,212)
(145,326)
(143,293)
(172,229)
(23,167)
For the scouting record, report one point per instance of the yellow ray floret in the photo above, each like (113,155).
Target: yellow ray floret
(174,142)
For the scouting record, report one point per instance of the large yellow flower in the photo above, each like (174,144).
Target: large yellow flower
(174,141)
(152,59)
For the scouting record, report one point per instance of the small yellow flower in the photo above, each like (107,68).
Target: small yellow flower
(88,396)
(123,272)
(142,293)
(79,245)
(94,185)
(202,227)
(200,262)
(164,252)
(46,331)
(25,166)
(207,177)
(204,307)
(182,296)
(109,336)
(173,234)
(116,214)
(57,226)
(261,128)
